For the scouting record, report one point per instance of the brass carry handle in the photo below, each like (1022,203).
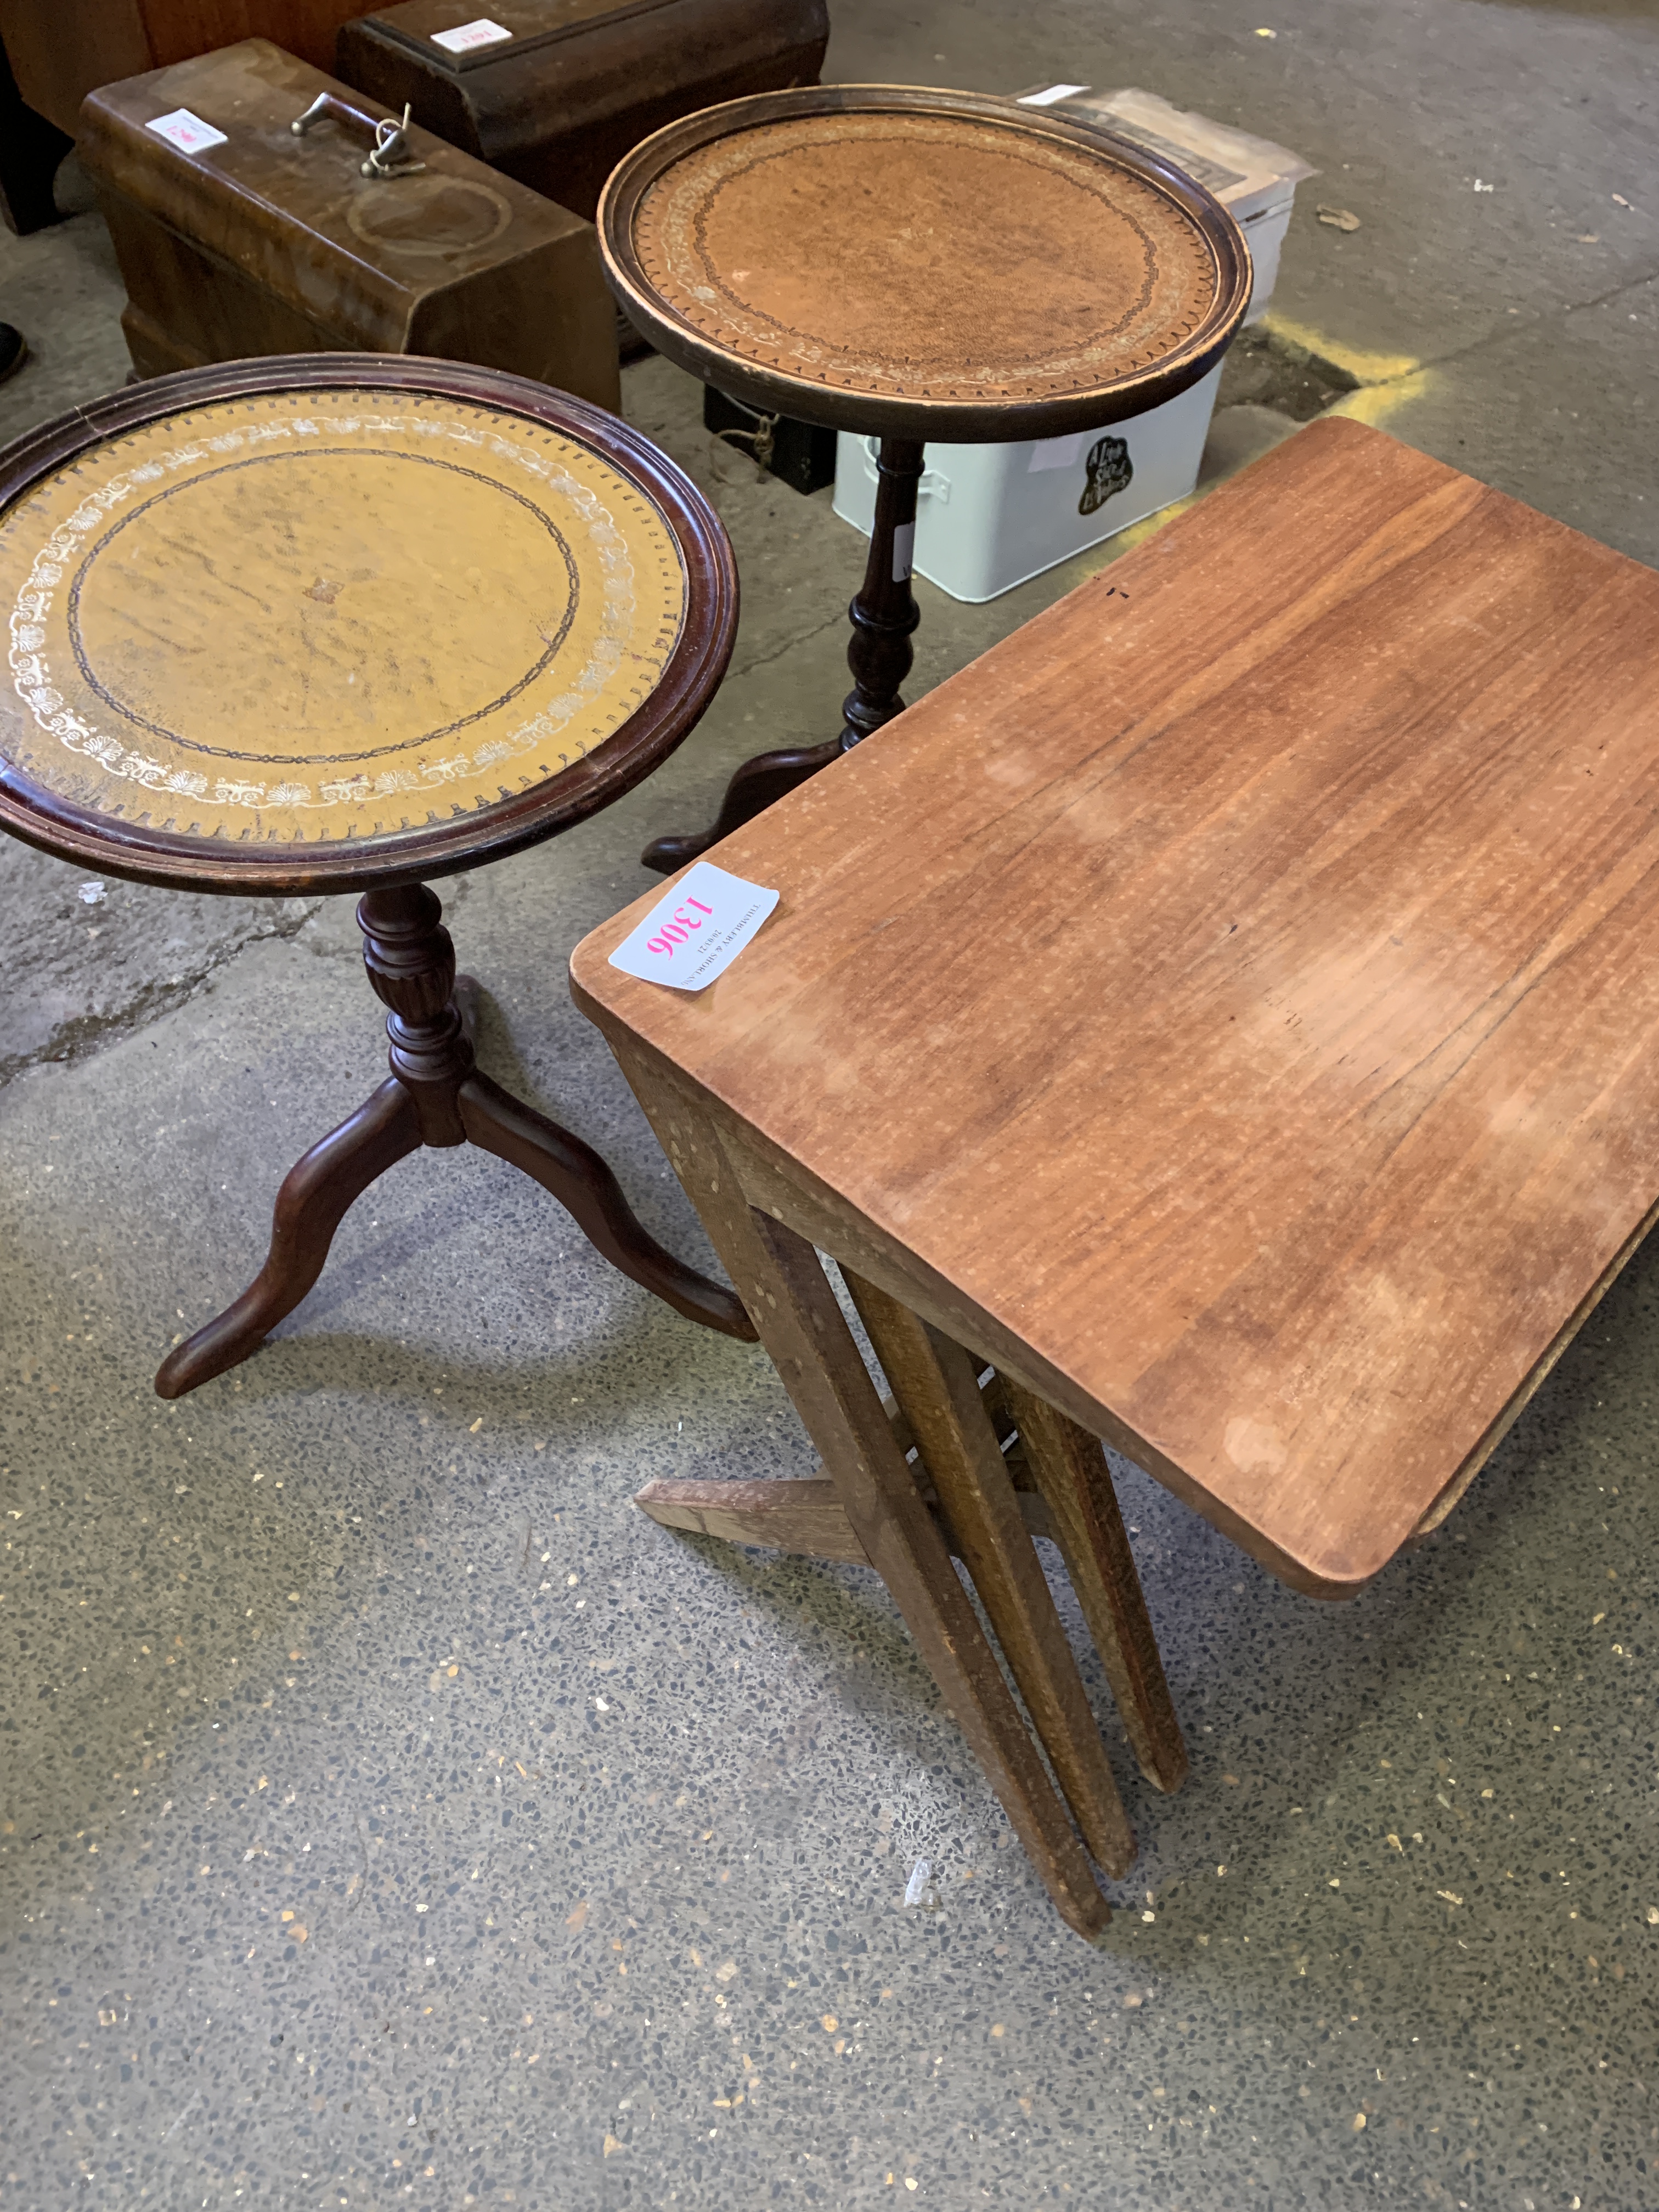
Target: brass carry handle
(388,138)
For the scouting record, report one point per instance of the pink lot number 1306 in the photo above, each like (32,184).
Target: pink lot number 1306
(679,929)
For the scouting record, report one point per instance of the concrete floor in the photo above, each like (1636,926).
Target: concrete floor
(545,1859)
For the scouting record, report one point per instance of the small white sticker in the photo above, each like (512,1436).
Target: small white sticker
(1053,94)
(466,37)
(1056,453)
(187,131)
(697,931)
(904,547)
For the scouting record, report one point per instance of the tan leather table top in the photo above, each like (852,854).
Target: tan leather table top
(1232,1000)
(327,617)
(926,257)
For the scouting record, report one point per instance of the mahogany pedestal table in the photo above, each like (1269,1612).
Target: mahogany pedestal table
(344,623)
(907,264)
(1228,1007)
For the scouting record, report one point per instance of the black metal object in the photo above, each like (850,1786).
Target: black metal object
(31,149)
(800,454)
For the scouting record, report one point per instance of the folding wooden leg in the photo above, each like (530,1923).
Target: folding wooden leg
(806,1518)
(1070,1470)
(933,1381)
(779,1279)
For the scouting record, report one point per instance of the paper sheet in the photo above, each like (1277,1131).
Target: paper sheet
(694,934)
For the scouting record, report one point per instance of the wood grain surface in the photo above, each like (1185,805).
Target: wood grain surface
(934,1382)
(1230,1004)
(61,53)
(1075,1484)
(806,1517)
(271,243)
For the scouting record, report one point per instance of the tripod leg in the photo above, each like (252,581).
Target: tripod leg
(585,1186)
(752,789)
(309,1206)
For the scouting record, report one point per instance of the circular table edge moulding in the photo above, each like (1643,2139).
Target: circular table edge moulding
(867,413)
(690,676)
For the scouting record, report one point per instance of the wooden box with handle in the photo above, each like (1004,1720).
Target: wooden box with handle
(238,234)
(555,92)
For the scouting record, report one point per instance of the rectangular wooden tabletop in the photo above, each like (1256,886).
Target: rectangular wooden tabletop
(1240,987)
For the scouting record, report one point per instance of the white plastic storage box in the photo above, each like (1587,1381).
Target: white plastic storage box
(988,517)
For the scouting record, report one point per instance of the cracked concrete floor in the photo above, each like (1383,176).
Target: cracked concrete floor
(544,1859)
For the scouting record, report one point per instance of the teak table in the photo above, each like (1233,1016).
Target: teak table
(910,265)
(342,622)
(1229,1008)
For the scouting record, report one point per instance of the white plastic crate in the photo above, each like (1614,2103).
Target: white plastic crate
(988,517)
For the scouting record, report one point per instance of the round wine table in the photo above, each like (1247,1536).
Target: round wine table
(334,623)
(909,264)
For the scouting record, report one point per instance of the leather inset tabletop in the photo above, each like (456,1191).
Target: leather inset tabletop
(327,617)
(930,257)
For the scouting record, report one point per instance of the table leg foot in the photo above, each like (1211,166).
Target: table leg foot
(757,784)
(434,1096)
(589,1192)
(804,1518)
(311,1204)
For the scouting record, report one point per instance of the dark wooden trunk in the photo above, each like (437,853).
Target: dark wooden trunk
(580,81)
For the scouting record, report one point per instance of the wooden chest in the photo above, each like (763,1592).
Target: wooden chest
(574,84)
(264,242)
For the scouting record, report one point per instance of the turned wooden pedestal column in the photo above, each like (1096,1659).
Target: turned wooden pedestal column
(883,616)
(436,1095)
